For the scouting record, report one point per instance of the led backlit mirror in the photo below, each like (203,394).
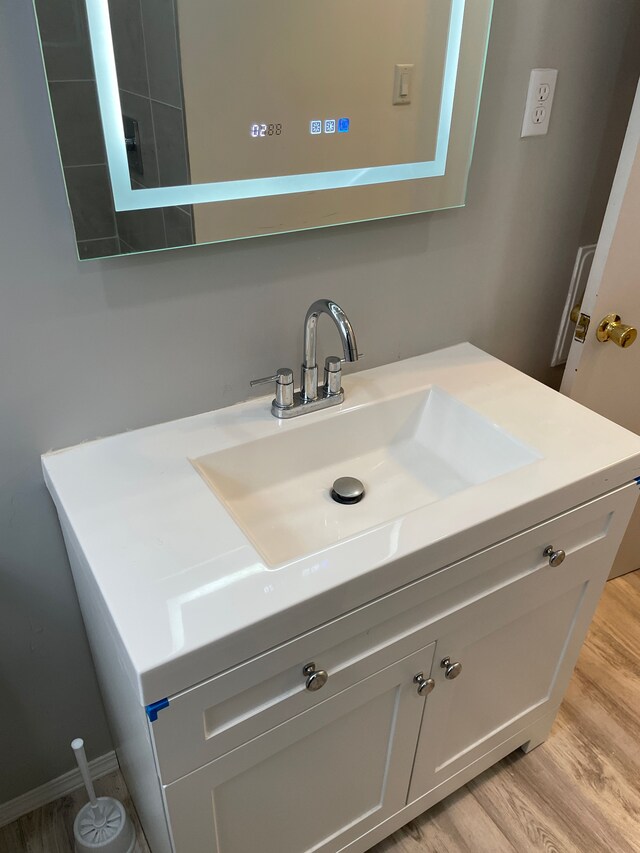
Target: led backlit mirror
(196,121)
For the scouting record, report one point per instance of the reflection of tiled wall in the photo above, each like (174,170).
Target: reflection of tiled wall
(147,58)
(99,230)
(65,43)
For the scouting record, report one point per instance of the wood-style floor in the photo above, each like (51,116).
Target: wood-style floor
(577,793)
(50,829)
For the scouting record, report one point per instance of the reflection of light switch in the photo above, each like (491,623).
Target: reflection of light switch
(402,84)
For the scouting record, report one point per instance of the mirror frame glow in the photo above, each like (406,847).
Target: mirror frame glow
(126,198)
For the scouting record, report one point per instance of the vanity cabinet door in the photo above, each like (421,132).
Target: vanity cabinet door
(512,654)
(317,781)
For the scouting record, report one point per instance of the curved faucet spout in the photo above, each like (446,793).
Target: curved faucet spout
(309,384)
(345,329)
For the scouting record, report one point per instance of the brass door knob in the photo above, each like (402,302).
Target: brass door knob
(611,329)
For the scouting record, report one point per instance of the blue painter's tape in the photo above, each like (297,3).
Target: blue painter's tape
(154,707)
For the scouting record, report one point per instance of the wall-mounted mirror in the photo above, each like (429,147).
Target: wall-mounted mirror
(195,121)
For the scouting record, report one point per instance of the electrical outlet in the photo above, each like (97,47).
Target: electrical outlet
(537,112)
(544,90)
(539,115)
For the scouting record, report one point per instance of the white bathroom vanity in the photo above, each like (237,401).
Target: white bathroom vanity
(287,674)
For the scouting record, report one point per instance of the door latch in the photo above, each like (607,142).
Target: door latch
(582,324)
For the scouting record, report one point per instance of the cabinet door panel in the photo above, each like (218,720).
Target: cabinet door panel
(314,783)
(517,648)
(507,673)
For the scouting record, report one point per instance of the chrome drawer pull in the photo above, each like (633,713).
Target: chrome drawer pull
(451,670)
(316,678)
(425,685)
(556,558)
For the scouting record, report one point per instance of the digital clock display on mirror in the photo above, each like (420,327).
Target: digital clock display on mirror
(260,131)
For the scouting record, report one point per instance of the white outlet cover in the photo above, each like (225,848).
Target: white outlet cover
(537,112)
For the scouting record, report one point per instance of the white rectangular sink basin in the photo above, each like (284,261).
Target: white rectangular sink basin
(408,451)
(216,532)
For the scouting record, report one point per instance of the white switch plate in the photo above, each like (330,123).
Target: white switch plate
(402,77)
(537,113)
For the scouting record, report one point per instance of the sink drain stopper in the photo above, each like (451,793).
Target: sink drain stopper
(347,490)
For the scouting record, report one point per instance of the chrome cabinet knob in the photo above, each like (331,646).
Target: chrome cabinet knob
(451,670)
(556,558)
(316,678)
(425,685)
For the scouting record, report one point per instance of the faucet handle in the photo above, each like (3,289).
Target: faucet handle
(332,375)
(333,362)
(283,377)
(282,374)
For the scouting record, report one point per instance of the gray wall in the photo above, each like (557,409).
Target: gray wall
(96,348)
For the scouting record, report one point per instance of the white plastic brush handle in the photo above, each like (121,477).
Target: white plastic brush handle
(77,746)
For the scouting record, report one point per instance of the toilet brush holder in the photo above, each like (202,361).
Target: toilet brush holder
(102,825)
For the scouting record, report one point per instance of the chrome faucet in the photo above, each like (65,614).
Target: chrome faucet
(290,404)
(309,382)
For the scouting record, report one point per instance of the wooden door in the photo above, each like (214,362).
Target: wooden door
(603,376)
(315,782)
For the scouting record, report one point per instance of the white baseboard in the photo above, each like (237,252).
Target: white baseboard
(55,788)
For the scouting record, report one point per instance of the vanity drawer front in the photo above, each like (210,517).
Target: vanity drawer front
(214,717)
(316,783)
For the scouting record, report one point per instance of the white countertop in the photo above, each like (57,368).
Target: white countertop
(188,593)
